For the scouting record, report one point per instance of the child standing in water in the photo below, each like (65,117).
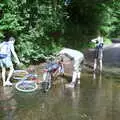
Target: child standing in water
(7,48)
(98,56)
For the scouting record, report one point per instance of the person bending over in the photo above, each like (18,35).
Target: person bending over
(77,58)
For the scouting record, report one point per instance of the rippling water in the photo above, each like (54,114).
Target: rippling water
(93,99)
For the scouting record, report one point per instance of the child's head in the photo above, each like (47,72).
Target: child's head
(8,36)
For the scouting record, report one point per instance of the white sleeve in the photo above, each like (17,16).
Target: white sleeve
(94,40)
(102,40)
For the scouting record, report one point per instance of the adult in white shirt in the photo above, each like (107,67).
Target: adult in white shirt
(7,48)
(77,57)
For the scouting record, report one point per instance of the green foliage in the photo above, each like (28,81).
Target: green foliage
(93,16)
(10,22)
(37,24)
(107,41)
(110,20)
(42,27)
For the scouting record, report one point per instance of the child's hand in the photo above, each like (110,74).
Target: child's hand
(20,65)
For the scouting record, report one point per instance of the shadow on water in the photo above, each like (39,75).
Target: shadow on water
(93,99)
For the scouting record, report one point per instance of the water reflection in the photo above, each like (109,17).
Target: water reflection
(103,97)
(7,103)
(91,100)
(97,76)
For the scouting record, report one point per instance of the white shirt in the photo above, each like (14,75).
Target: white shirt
(71,53)
(6,48)
(97,40)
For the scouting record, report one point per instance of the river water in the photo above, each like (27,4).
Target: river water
(93,99)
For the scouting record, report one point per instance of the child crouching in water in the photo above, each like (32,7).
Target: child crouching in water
(52,70)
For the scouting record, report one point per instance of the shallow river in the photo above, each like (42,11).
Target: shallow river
(93,99)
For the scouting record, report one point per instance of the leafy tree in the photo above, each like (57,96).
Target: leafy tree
(42,27)
(37,24)
(86,18)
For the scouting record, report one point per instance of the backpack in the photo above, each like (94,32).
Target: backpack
(2,55)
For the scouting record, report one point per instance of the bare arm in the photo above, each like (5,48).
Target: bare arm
(14,54)
(94,40)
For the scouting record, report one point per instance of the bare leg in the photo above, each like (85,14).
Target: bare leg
(95,64)
(100,65)
(94,75)
(76,73)
(10,75)
(73,82)
(79,74)
(3,75)
(74,77)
